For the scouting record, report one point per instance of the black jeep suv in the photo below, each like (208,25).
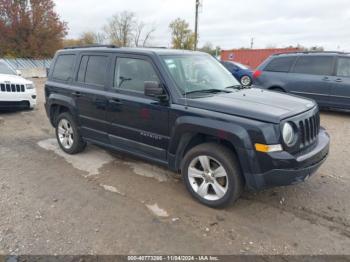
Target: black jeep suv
(184,110)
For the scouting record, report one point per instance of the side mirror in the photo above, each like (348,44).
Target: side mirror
(47,71)
(154,89)
(18,72)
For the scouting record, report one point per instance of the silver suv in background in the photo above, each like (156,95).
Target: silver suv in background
(322,76)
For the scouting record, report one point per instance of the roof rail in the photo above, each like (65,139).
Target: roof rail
(156,47)
(312,52)
(90,46)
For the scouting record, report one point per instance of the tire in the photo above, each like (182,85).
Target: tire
(66,130)
(196,180)
(246,80)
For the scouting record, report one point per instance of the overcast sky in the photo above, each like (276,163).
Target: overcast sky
(226,23)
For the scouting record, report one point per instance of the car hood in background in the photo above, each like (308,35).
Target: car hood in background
(255,103)
(13,79)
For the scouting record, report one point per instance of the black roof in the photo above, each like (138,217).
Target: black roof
(135,50)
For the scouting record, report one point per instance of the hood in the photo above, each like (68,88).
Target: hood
(256,104)
(14,79)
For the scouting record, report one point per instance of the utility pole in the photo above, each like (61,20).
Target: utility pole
(196,26)
(251,43)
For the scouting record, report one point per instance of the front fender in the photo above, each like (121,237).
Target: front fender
(231,132)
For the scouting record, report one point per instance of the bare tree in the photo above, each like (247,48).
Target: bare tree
(120,28)
(143,34)
(124,29)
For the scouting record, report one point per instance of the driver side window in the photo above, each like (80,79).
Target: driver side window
(131,73)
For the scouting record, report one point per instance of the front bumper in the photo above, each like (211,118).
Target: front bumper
(9,100)
(288,169)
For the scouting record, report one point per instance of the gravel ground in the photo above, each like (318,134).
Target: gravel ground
(99,202)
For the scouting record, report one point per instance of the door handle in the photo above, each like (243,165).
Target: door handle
(326,78)
(115,101)
(338,80)
(76,94)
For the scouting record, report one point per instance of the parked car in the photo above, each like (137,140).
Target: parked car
(15,91)
(322,76)
(241,72)
(183,110)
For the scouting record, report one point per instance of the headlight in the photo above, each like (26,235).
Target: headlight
(289,136)
(29,86)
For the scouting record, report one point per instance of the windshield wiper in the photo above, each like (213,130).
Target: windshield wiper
(209,91)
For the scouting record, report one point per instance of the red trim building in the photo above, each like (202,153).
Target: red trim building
(252,57)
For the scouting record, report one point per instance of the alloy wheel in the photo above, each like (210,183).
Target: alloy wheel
(208,178)
(65,133)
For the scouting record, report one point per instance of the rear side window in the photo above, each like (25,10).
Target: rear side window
(314,65)
(280,64)
(343,67)
(96,70)
(64,67)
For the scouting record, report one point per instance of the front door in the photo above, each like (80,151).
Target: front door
(340,92)
(138,124)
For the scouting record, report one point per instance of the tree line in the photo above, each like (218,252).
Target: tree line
(32,29)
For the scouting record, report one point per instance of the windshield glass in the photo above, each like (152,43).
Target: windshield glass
(196,73)
(4,69)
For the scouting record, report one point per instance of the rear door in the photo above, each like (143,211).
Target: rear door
(138,124)
(340,92)
(90,96)
(311,77)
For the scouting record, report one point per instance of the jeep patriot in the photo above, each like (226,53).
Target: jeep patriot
(185,111)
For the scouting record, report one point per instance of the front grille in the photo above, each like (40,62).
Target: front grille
(309,129)
(13,88)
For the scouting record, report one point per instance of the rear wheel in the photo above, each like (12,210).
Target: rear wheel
(212,175)
(246,81)
(67,134)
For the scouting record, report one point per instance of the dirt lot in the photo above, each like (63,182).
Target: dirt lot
(101,203)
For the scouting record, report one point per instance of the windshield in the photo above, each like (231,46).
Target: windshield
(4,69)
(196,73)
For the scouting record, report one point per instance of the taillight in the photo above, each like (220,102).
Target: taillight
(257,73)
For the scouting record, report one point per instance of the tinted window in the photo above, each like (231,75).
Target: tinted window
(314,65)
(343,67)
(131,74)
(280,64)
(96,70)
(64,67)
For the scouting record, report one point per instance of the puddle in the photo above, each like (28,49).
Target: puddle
(156,210)
(112,189)
(89,161)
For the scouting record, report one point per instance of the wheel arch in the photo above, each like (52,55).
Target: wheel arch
(192,131)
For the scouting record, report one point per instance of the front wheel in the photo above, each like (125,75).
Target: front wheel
(68,136)
(246,81)
(212,175)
